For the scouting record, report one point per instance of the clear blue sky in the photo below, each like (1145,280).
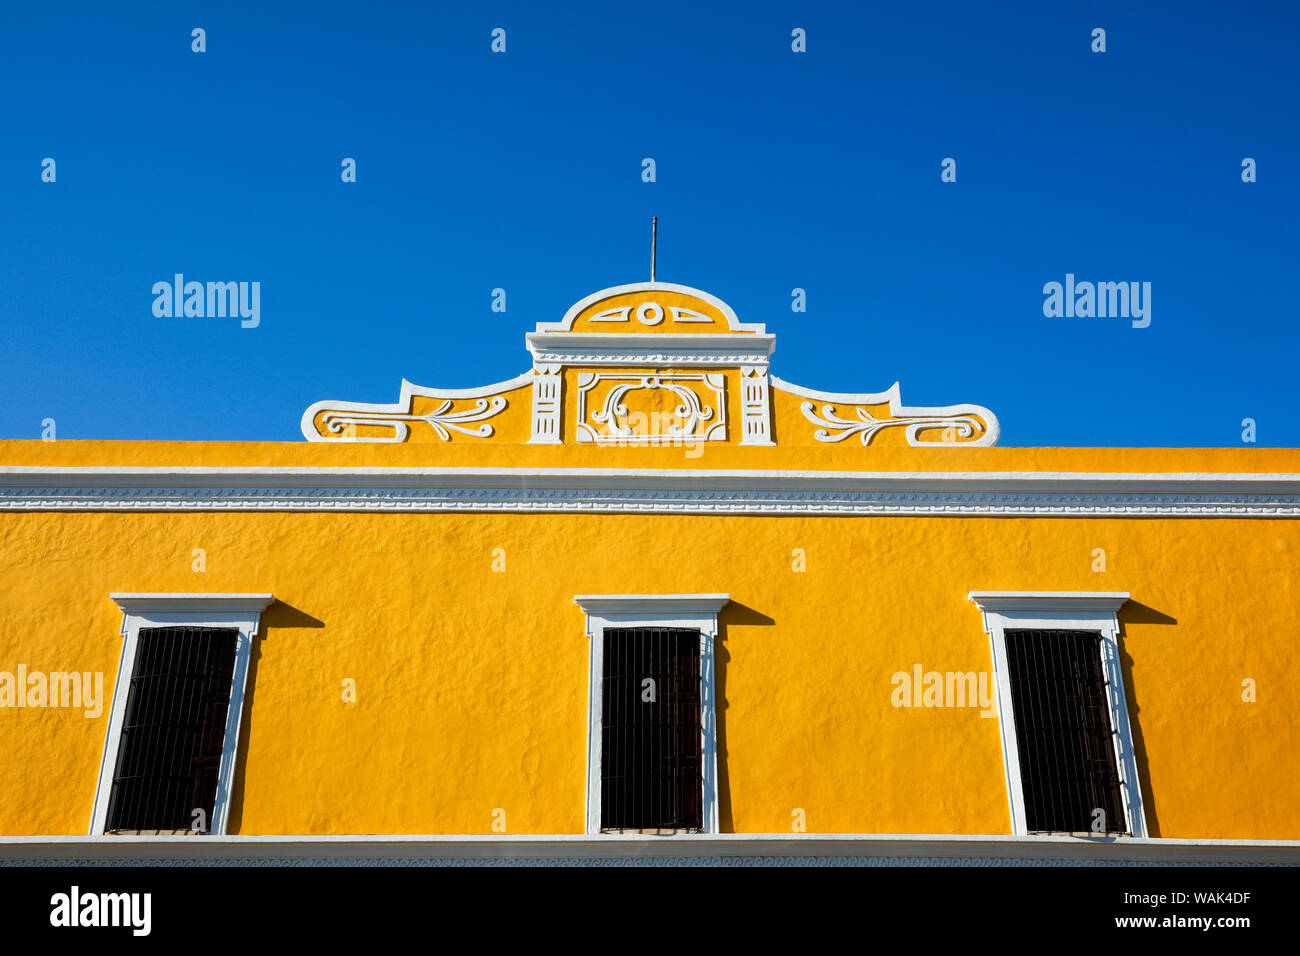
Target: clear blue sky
(775,170)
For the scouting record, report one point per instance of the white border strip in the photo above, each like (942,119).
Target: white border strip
(654,491)
(772,847)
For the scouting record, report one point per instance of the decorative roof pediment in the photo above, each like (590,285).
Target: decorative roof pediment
(650,323)
(650,308)
(648,364)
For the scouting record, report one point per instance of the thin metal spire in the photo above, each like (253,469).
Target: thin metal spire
(654,241)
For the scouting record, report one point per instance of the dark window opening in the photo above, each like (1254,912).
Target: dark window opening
(1063,732)
(174,730)
(650,766)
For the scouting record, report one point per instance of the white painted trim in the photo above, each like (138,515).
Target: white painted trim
(1106,602)
(698,611)
(401,407)
(687,604)
(755,397)
(162,603)
(854,849)
(893,395)
(612,315)
(348,471)
(647,491)
(710,424)
(548,406)
(566,324)
(1062,611)
(242,612)
(649,348)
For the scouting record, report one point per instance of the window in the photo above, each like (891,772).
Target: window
(650,734)
(173,729)
(1063,731)
(174,724)
(652,761)
(1067,742)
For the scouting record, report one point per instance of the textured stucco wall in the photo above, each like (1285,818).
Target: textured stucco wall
(472,683)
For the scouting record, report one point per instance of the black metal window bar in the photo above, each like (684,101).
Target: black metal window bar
(1063,732)
(650,767)
(173,730)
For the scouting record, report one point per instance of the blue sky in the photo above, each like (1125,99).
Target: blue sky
(775,170)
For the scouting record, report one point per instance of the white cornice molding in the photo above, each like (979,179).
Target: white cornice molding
(542,850)
(733,322)
(649,348)
(622,490)
(1001,601)
(192,602)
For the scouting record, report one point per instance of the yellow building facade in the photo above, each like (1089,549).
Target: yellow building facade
(426,600)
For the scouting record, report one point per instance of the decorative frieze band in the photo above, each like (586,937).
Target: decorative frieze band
(571,348)
(648,491)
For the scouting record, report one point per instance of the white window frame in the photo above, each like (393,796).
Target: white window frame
(698,611)
(239,611)
(1095,611)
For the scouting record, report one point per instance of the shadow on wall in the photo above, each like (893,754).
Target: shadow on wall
(277,615)
(1134,612)
(741,616)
